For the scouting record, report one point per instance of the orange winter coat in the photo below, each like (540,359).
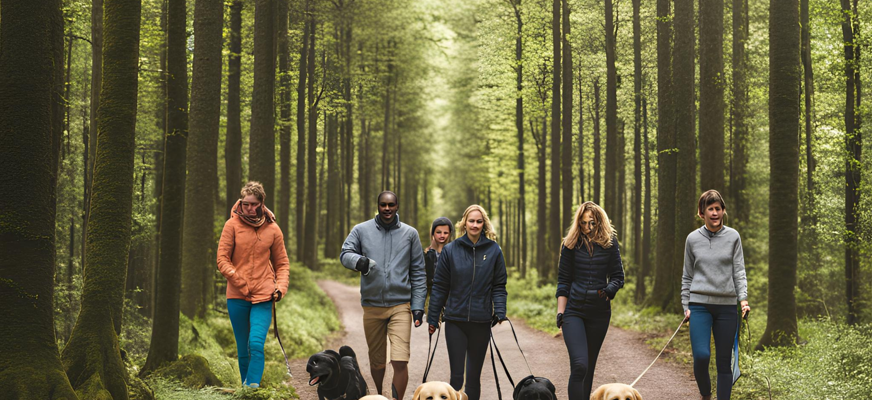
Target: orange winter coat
(253,260)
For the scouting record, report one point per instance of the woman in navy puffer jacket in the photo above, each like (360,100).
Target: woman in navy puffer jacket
(469,291)
(589,275)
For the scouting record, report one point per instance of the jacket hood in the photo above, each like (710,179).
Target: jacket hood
(466,241)
(271,216)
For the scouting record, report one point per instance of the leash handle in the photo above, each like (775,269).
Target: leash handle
(430,356)
(276,331)
(660,353)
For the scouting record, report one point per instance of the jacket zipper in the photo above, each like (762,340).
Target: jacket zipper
(471,288)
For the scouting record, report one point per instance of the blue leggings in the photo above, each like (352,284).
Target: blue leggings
(704,320)
(467,344)
(250,325)
(584,338)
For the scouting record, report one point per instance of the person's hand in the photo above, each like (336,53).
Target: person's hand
(686,315)
(746,309)
(602,294)
(365,265)
(418,316)
(559,320)
(432,329)
(496,319)
(277,295)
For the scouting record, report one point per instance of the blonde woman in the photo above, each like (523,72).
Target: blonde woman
(469,291)
(589,276)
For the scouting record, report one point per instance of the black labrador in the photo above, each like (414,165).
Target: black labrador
(535,388)
(336,374)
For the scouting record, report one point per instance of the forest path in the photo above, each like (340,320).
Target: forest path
(623,357)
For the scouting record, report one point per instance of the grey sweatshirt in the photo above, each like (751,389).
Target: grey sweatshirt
(399,276)
(714,268)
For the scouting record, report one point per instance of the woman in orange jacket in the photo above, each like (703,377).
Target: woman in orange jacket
(252,256)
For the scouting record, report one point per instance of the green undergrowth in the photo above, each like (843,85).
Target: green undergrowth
(306,318)
(834,361)
(332,269)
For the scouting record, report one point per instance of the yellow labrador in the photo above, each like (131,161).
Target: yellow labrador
(438,391)
(615,391)
(374,397)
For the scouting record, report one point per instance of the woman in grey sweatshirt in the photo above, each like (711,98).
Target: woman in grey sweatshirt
(712,283)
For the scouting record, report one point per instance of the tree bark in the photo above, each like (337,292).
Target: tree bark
(644,260)
(28,352)
(555,234)
(262,140)
(301,136)
(202,158)
(165,332)
(581,170)
(566,215)
(233,146)
(666,289)
(541,251)
(611,200)
(284,54)
(96,83)
(310,253)
(853,148)
(597,145)
(784,65)
(637,138)
(740,207)
(519,126)
(711,94)
(331,246)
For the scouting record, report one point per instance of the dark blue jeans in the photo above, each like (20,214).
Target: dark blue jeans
(721,320)
(467,344)
(584,338)
(250,325)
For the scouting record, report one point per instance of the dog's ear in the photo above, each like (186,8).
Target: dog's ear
(417,394)
(599,394)
(461,395)
(636,395)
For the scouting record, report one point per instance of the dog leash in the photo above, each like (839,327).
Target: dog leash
(430,356)
(494,347)
(276,330)
(659,354)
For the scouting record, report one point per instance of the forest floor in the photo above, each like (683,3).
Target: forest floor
(623,357)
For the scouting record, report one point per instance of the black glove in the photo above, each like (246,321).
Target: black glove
(609,292)
(362,265)
(559,320)
(418,316)
(497,319)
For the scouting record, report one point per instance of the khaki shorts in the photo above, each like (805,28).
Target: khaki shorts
(383,323)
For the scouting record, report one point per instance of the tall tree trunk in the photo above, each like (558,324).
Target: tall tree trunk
(262,140)
(666,288)
(331,247)
(202,157)
(581,149)
(348,152)
(644,260)
(685,138)
(284,54)
(386,135)
(96,83)
(566,215)
(310,253)
(541,195)
(233,146)
(27,78)
(711,94)
(637,139)
(364,169)
(853,148)
(519,126)
(302,103)
(165,332)
(784,65)
(597,145)
(739,164)
(555,235)
(620,186)
(809,217)
(611,200)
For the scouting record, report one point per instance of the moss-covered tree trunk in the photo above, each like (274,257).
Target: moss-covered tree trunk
(30,366)
(233,143)
(92,357)
(262,140)
(685,194)
(665,291)
(202,158)
(165,329)
(96,83)
(784,65)
(310,250)
(284,54)
(553,225)
(300,195)
(711,94)
(853,148)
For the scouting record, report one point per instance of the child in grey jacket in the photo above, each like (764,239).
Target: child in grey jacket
(712,283)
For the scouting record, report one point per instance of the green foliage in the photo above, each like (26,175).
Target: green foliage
(332,269)
(535,304)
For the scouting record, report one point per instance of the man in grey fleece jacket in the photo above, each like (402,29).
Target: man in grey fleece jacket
(714,269)
(393,287)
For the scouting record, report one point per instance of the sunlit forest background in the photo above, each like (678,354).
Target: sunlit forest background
(129,126)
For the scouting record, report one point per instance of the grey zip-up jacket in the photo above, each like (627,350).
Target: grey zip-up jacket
(714,268)
(399,276)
